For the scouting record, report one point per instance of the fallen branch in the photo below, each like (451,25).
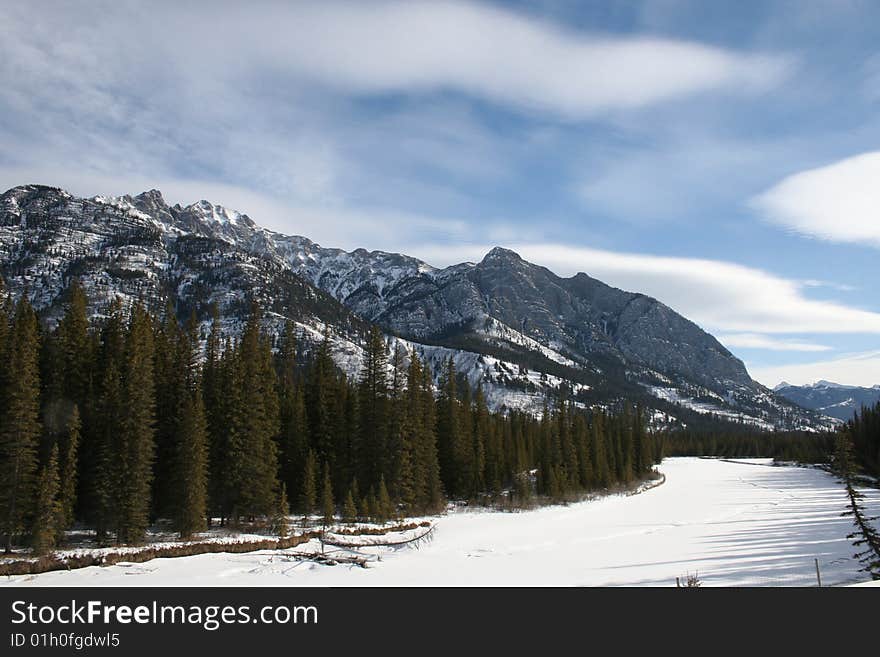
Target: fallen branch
(325,559)
(424,536)
(52,562)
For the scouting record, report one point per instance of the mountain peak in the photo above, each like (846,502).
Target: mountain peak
(153,195)
(218,214)
(499,253)
(149,202)
(33,188)
(822,383)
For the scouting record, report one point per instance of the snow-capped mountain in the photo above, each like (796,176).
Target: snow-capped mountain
(515,328)
(828,398)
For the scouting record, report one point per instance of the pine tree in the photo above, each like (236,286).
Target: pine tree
(449,432)
(104,450)
(257,425)
(402,436)
(226,429)
(321,400)
(282,526)
(48,512)
(355,495)
(309,499)
(865,537)
(293,437)
(75,346)
(432,497)
(384,508)
(599,451)
(480,436)
(102,437)
(327,504)
(366,508)
(20,427)
(373,401)
(191,467)
(213,389)
(68,471)
(138,431)
(172,356)
(349,509)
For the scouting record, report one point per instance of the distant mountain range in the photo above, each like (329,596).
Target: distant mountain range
(521,332)
(832,399)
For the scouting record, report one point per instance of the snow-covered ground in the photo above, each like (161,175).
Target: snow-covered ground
(743,523)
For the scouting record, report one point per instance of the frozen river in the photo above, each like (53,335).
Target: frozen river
(731,523)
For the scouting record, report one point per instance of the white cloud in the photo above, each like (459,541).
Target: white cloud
(840,287)
(758,341)
(862,369)
(719,296)
(839,202)
(505,57)
(474,48)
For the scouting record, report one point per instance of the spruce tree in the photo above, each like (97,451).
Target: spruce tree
(309,498)
(480,437)
(75,346)
(215,414)
(68,470)
(384,506)
(171,384)
(599,450)
(349,509)
(293,437)
(104,449)
(20,427)
(402,436)
(366,507)
(373,401)
(101,439)
(48,513)
(282,526)
(865,537)
(321,400)
(257,424)
(226,428)
(328,506)
(449,431)
(138,431)
(432,497)
(191,467)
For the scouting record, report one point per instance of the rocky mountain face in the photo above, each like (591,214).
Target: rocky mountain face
(832,399)
(513,327)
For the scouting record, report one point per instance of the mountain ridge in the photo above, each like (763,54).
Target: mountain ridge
(833,399)
(598,342)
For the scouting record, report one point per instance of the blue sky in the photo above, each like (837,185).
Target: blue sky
(722,157)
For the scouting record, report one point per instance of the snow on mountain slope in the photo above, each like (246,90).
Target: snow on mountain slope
(515,327)
(832,399)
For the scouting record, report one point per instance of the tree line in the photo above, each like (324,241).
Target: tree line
(798,446)
(117,422)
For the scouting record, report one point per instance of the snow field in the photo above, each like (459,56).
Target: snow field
(744,523)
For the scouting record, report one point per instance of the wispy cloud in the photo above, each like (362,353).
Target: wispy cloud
(507,57)
(497,54)
(838,202)
(862,369)
(840,287)
(758,341)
